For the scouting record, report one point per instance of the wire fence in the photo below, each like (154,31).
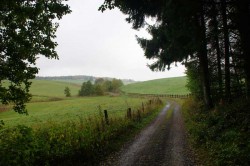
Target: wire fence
(185,96)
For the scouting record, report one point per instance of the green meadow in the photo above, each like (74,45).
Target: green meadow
(70,109)
(175,85)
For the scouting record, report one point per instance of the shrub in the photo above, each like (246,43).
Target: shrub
(17,145)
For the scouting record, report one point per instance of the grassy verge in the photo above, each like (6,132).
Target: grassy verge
(84,141)
(219,136)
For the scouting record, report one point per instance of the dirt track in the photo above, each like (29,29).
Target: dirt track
(163,142)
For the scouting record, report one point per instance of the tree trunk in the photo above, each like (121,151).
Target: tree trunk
(238,89)
(203,60)
(243,21)
(226,51)
(217,46)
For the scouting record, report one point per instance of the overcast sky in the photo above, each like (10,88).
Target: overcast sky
(101,45)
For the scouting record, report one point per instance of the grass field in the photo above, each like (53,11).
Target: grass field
(44,90)
(175,85)
(70,109)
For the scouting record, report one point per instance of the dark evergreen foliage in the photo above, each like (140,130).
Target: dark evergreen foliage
(210,37)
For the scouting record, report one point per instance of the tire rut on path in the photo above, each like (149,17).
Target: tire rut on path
(162,143)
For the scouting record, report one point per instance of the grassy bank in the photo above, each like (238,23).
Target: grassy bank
(219,136)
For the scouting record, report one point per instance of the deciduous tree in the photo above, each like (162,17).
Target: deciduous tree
(67,91)
(27,30)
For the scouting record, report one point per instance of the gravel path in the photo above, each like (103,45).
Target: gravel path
(163,142)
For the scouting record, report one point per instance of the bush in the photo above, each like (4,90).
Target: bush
(17,145)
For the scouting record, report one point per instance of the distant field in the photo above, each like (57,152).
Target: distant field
(175,85)
(52,88)
(70,109)
(49,88)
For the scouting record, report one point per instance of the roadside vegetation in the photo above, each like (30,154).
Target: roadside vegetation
(220,136)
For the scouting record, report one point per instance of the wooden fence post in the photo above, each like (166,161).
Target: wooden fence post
(106,117)
(129,115)
(138,115)
(142,107)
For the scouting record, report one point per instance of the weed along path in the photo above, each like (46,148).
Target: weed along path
(163,142)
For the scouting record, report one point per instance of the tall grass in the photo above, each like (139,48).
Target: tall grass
(84,142)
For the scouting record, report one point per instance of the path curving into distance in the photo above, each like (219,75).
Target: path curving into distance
(162,143)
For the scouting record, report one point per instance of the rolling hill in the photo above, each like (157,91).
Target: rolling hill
(174,85)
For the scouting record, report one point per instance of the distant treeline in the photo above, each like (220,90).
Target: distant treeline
(83,78)
(76,77)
